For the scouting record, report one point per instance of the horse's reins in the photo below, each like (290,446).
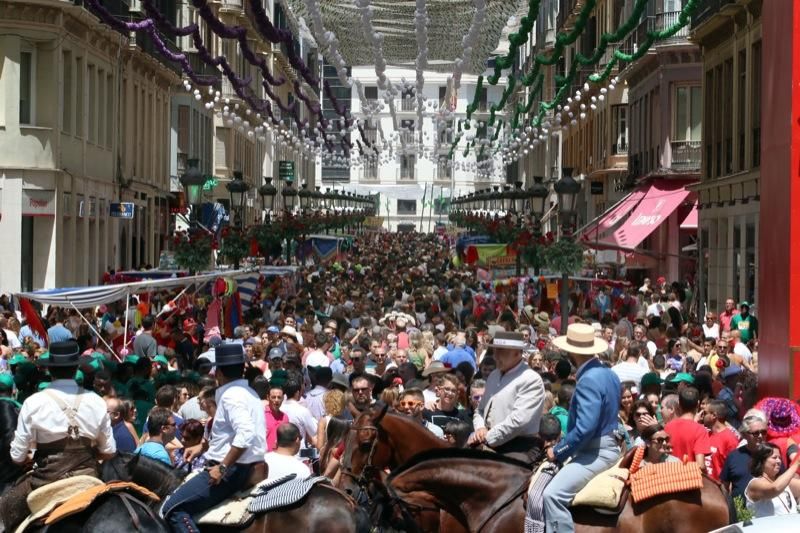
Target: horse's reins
(361,480)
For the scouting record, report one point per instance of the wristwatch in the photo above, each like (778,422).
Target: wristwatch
(222,468)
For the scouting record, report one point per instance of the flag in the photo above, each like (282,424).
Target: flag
(32,318)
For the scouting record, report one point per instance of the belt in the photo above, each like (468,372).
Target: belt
(217,463)
(65,444)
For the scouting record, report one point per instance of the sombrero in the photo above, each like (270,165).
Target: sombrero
(581,340)
(783,417)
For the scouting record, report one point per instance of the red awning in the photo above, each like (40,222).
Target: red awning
(660,200)
(690,222)
(611,218)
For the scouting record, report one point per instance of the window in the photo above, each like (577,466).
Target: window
(371,170)
(407,164)
(79,119)
(442,95)
(101,103)
(407,102)
(620,118)
(66,95)
(688,113)
(445,136)
(443,170)
(90,74)
(741,107)
(183,129)
(26,86)
(441,206)
(406,207)
(109,111)
(755,98)
(371,93)
(482,101)
(407,131)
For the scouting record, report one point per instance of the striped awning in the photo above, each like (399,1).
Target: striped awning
(86,297)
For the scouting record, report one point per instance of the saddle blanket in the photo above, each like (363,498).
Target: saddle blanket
(82,501)
(665,478)
(282,493)
(266,496)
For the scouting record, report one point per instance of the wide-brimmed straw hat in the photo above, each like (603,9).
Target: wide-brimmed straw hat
(512,340)
(541,320)
(50,496)
(581,340)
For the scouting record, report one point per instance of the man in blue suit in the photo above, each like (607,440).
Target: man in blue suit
(590,441)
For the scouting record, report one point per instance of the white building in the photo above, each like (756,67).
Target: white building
(404,179)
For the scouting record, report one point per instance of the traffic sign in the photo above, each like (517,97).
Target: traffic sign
(286,170)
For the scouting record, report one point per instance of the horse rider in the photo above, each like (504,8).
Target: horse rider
(507,418)
(590,441)
(69,429)
(235,449)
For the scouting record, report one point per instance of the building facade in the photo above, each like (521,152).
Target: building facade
(729,34)
(84,122)
(415,190)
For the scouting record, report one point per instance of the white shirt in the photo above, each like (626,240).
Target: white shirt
(741,349)
(300,416)
(784,503)
(317,358)
(191,409)
(712,332)
(279,465)
(239,422)
(313,401)
(654,309)
(13,340)
(41,420)
(439,352)
(627,371)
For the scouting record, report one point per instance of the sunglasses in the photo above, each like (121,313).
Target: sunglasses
(759,433)
(361,389)
(409,404)
(662,440)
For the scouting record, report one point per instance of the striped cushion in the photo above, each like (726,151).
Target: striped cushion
(665,478)
(282,493)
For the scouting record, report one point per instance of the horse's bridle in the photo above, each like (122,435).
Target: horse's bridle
(367,471)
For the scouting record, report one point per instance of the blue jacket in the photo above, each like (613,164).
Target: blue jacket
(594,408)
(458,355)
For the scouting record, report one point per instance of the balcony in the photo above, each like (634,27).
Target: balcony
(407,104)
(685,155)
(707,9)
(657,22)
(620,148)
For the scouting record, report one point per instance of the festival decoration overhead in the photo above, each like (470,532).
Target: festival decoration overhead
(419,35)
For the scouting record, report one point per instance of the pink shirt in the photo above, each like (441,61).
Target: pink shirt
(273,421)
(725,319)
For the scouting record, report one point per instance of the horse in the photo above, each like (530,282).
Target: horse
(9,471)
(485,492)
(325,508)
(379,440)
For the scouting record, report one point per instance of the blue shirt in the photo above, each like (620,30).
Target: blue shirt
(593,410)
(124,439)
(58,333)
(736,470)
(456,356)
(154,450)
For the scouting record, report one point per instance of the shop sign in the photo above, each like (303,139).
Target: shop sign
(38,203)
(122,210)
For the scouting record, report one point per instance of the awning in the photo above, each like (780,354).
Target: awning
(659,201)
(612,217)
(86,297)
(690,222)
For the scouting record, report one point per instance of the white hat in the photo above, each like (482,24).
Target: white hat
(581,340)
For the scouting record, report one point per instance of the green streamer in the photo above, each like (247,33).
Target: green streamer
(516,40)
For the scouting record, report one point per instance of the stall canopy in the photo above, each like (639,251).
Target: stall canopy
(690,222)
(626,225)
(86,297)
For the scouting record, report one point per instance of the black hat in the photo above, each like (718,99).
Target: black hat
(65,353)
(228,354)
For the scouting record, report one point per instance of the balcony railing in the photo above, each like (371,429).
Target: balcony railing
(657,22)
(620,148)
(407,104)
(667,20)
(685,155)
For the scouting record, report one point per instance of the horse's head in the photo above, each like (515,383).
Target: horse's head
(150,474)
(366,450)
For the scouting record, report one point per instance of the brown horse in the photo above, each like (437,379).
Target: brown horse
(325,508)
(378,441)
(485,492)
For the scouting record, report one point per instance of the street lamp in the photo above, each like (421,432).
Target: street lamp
(305,198)
(268,193)
(568,190)
(289,194)
(237,188)
(192,182)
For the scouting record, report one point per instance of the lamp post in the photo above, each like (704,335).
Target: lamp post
(237,188)
(568,190)
(267,193)
(538,194)
(192,181)
(289,194)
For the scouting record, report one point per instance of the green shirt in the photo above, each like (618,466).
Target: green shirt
(747,326)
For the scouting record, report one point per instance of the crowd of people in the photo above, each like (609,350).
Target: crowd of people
(395,321)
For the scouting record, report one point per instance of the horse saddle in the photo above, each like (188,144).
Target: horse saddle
(240,509)
(43,500)
(82,501)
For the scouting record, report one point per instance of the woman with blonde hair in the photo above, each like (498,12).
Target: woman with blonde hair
(334,403)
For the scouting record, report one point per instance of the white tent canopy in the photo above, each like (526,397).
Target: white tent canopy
(87,297)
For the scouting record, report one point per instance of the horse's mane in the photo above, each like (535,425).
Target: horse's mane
(144,471)
(456,453)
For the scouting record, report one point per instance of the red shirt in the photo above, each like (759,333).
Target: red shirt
(725,319)
(273,422)
(722,444)
(688,438)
